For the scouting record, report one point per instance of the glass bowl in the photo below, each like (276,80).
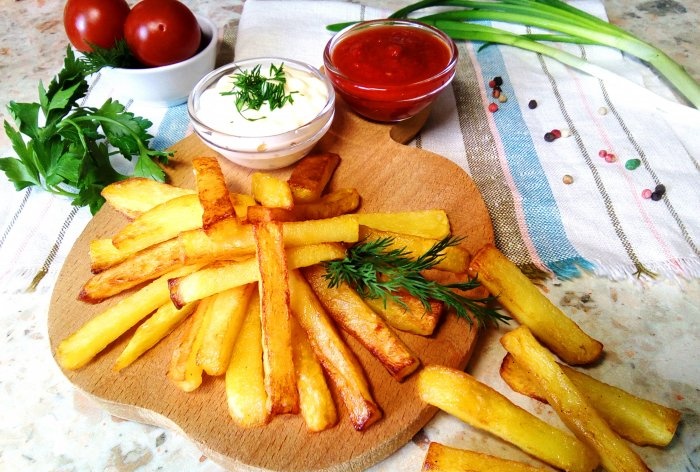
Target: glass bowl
(389,74)
(258,149)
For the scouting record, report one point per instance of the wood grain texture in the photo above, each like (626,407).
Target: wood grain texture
(389,176)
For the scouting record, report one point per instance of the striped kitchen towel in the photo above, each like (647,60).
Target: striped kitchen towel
(599,222)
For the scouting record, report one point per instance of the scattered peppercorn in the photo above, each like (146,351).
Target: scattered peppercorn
(602,111)
(656,196)
(496,92)
(602,153)
(502,98)
(493,107)
(565,132)
(646,193)
(549,137)
(610,158)
(556,133)
(660,189)
(567,179)
(632,164)
(492,83)
(532,104)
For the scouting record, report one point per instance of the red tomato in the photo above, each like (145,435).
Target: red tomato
(162,32)
(98,22)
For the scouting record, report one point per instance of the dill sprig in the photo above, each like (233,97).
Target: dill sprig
(252,89)
(118,55)
(375,271)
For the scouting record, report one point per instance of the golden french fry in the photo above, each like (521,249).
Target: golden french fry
(338,361)
(141,267)
(213,194)
(262,214)
(351,313)
(270,191)
(221,327)
(336,203)
(196,246)
(570,404)
(315,399)
(423,223)
(224,275)
(90,339)
(241,202)
(183,370)
(160,223)
(245,382)
(477,404)
(311,175)
(441,458)
(275,314)
(104,255)
(410,315)
(150,332)
(453,258)
(136,195)
(640,421)
(526,303)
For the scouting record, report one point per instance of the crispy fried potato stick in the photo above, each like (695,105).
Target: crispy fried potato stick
(311,175)
(441,458)
(432,224)
(351,313)
(411,317)
(339,362)
(640,421)
(570,404)
(477,404)
(224,275)
(315,399)
(150,332)
(454,258)
(104,255)
(270,191)
(275,317)
(221,327)
(336,203)
(183,370)
(526,303)
(80,347)
(217,207)
(136,195)
(245,379)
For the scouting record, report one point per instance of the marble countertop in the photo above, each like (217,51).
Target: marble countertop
(49,425)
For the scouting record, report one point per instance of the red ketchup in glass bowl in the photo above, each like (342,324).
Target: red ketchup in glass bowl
(389,70)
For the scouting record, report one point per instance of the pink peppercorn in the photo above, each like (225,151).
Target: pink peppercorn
(646,193)
(602,153)
(609,158)
(493,107)
(556,133)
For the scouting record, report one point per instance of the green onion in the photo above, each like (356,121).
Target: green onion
(569,24)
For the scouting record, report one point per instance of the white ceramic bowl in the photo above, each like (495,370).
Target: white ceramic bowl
(263,152)
(168,85)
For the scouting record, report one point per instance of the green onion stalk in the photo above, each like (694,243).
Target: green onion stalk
(569,24)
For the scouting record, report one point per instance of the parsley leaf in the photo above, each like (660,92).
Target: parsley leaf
(64,148)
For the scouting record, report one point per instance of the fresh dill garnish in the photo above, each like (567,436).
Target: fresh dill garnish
(376,271)
(252,90)
(118,55)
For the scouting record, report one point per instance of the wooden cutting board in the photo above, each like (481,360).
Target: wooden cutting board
(390,176)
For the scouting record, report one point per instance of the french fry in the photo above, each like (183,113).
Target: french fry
(411,317)
(640,421)
(104,255)
(270,191)
(275,314)
(245,382)
(90,339)
(262,214)
(160,223)
(224,275)
(136,195)
(183,370)
(338,361)
(441,458)
(196,246)
(453,258)
(526,303)
(241,202)
(213,195)
(315,399)
(351,313)
(432,224)
(221,327)
(336,203)
(141,267)
(150,332)
(570,404)
(311,175)
(477,404)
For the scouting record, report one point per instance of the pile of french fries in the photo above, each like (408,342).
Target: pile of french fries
(238,277)
(600,416)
